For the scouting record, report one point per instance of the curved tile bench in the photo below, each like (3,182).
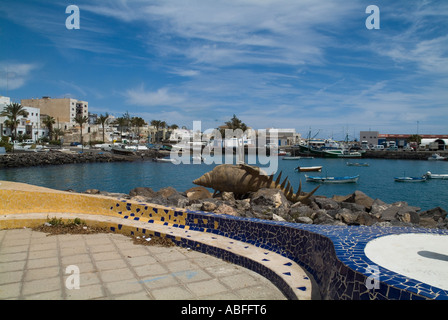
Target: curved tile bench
(333,255)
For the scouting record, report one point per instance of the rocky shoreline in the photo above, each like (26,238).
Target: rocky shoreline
(271,204)
(56,157)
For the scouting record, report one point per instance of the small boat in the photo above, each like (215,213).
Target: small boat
(436,156)
(291,158)
(356,164)
(430,175)
(345,179)
(307,169)
(410,179)
(164,160)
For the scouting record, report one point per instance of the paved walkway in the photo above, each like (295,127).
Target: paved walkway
(36,266)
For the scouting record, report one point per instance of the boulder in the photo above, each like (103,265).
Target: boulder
(322,217)
(92,191)
(198,193)
(143,191)
(326,203)
(166,192)
(274,198)
(360,198)
(226,209)
(208,206)
(437,214)
(347,216)
(266,202)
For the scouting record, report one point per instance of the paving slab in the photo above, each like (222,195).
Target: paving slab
(34,265)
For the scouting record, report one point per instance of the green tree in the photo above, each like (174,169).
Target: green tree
(49,122)
(102,120)
(79,119)
(233,124)
(13,111)
(158,124)
(138,122)
(415,138)
(58,132)
(121,122)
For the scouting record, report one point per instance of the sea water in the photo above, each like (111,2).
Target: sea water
(375,180)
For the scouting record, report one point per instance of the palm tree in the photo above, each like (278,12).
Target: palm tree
(13,111)
(138,122)
(58,132)
(102,120)
(79,119)
(49,122)
(157,124)
(121,121)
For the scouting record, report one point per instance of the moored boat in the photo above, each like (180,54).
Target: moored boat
(169,160)
(436,156)
(307,169)
(410,179)
(430,175)
(344,179)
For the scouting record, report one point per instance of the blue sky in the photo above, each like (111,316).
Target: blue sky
(302,64)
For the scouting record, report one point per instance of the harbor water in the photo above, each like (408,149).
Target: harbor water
(376,180)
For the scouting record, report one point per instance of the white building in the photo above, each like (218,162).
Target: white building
(30,125)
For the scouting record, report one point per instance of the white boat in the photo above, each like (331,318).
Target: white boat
(341,153)
(430,175)
(436,156)
(292,158)
(410,179)
(169,160)
(307,169)
(345,179)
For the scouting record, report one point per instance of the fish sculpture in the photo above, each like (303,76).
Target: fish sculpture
(242,179)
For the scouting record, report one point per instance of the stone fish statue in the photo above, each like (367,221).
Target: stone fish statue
(242,179)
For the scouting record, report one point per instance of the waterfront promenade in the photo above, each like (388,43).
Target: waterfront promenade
(34,265)
(345,262)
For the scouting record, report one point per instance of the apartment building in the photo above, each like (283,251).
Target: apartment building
(63,110)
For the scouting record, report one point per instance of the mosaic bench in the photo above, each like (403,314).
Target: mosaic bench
(333,255)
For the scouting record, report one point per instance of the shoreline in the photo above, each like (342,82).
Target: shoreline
(57,157)
(355,209)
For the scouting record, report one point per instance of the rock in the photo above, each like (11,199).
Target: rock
(142,191)
(269,197)
(299,210)
(277,218)
(198,193)
(227,196)
(365,219)
(166,192)
(347,216)
(226,209)
(305,220)
(378,206)
(408,216)
(266,202)
(436,214)
(428,222)
(208,206)
(353,206)
(326,203)
(360,198)
(92,191)
(321,217)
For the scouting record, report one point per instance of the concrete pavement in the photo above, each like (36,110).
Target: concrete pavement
(110,266)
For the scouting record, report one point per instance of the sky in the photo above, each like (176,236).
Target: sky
(311,65)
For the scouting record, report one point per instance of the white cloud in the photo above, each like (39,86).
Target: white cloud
(161,97)
(14,75)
